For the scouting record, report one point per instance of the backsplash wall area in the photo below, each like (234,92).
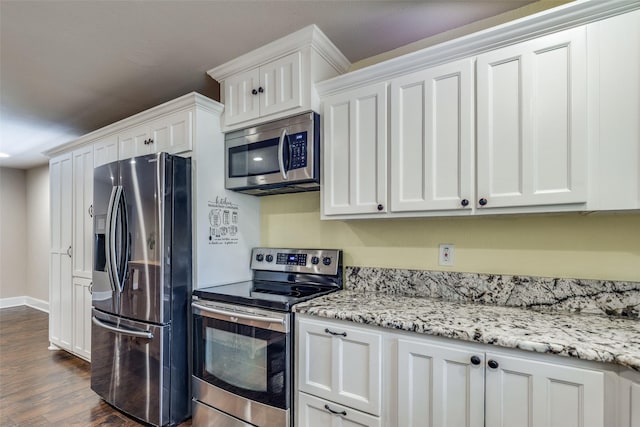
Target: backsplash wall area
(603,246)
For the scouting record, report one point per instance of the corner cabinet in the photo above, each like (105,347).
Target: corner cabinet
(277,80)
(417,380)
(532,130)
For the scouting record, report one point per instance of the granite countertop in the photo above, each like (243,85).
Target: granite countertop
(585,336)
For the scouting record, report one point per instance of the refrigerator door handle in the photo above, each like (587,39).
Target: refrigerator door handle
(125,244)
(122,331)
(110,240)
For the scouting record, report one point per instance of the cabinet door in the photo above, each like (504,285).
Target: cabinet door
(532,147)
(314,412)
(134,142)
(105,151)
(523,392)
(83,212)
(355,151)
(172,134)
(60,286)
(340,364)
(439,386)
(82,317)
(281,83)
(240,103)
(432,137)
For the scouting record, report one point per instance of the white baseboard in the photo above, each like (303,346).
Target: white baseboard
(24,300)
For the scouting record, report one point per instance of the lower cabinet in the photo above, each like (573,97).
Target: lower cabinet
(82,317)
(370,376)
(316,412)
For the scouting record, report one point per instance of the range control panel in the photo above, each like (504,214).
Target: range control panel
(315,261)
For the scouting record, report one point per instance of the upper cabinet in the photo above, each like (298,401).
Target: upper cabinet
(538,115)
(277,80)
(170,134)
(531,130)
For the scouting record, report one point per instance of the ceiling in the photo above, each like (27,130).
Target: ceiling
(70,67)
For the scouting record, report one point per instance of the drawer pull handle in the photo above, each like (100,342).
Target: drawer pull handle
(343,413)
(329,331)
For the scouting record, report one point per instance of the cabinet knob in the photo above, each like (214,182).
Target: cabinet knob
(464,202)
(150,140)
(493,364)
(330,332)
(380,207)
(475,360)
(343,413)
(482,201)
(254,92)
(260,89)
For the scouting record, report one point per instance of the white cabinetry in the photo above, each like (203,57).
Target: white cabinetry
(82,249)
(339,375)
(82,317)
(278,79)
(355,151)
(523,392)
(105,151)
(439,386)
(268,89)
(532,146)
(171,134)
(432,139)
(60,284)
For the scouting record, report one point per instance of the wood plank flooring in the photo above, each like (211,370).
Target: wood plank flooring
(40,387)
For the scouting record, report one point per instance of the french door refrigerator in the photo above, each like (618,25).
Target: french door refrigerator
(142,287)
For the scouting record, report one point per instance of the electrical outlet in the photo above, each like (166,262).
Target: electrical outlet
(446,254)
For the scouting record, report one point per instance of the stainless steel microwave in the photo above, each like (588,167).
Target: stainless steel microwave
(274,158)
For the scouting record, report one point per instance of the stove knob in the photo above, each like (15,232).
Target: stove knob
(269,258)
(259,257)
(326,260)
(315,260)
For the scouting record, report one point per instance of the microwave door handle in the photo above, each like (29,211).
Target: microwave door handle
(283,170)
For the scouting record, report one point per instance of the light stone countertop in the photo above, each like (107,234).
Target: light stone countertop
(585,336)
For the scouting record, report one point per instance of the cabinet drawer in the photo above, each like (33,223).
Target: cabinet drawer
(315,412)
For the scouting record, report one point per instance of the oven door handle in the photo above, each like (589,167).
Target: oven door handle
(235,316)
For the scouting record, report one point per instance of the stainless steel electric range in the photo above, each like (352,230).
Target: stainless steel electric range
(243,337)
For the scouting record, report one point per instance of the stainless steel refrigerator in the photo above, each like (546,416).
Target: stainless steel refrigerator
(142,287)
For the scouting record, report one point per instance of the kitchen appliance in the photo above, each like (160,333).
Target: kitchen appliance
(243,337)
(278,157)
(142,286)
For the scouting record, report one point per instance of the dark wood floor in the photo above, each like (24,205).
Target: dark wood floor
(40,387)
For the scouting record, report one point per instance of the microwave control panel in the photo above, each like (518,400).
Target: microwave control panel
(298,150)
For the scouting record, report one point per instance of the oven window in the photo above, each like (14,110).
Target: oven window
(237,359)
(258,158)
(244,360)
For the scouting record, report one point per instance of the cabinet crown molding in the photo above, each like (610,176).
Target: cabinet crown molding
(309,36)
(192,99)
(549,21)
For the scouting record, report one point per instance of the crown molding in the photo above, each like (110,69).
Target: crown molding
(549,21)
(189,100)
(309,36)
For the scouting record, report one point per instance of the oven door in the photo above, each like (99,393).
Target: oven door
(241,361)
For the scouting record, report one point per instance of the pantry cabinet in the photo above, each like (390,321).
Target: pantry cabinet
(82,317)
(277,80)
(431,120)
(355,152)
(82,248)
(340,365)
(60,267)
(532,141)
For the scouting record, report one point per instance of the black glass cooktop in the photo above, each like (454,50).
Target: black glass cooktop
(274,295)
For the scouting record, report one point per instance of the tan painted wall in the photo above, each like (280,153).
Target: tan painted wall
(38,234)
(13,228)
(604,246)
